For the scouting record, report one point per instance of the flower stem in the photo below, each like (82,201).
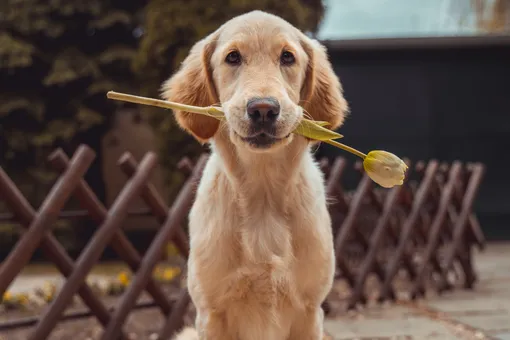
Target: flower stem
(209,110)
(346,148)
(156,102)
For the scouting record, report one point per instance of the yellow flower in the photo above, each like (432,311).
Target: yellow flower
(170,273)
(123,278)
(385,168)
(7,297)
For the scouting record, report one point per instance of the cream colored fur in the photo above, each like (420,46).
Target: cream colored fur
(262,259)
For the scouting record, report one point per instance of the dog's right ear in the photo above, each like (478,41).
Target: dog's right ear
(193,85)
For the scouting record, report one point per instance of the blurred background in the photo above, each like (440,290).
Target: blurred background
(424,79)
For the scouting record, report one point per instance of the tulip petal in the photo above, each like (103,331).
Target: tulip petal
(385,168)
(313,130)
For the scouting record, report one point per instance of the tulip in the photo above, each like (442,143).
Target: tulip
(382,167)
(385,168)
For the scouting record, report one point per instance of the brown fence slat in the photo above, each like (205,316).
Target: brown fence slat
(120,242)
(375,243)
(175,322)
(438,186)
(157,205)
(434,233)
(362,239)
(348,225)
(175,217)
(462,221)
(94,248)
(407,230)
(51,249)
(45,217)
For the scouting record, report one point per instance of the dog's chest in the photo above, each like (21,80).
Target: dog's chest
(258,252)
(262,264)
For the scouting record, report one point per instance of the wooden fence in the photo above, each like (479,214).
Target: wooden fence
(423,227)
(426,227)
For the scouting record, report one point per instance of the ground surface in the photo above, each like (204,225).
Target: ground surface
(480,314)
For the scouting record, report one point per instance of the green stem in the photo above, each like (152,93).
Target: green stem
(346,148)
(157,102)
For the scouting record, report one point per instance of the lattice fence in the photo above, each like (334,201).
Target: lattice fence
(426,227)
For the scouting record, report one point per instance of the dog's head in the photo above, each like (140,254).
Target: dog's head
(263,72)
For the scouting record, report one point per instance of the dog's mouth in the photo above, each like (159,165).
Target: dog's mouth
(263,140)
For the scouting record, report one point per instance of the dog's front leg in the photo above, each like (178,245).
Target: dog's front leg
(308,326)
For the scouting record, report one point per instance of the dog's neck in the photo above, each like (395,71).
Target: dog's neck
(264,187)
(270,173)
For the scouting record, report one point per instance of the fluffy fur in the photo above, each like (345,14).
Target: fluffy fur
(262,259)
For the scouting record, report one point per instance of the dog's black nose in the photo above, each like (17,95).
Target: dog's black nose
(263,109)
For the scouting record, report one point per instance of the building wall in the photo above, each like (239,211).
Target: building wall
(435,103)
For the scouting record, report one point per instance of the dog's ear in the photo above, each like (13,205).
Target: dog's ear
(322,94)
(193,85)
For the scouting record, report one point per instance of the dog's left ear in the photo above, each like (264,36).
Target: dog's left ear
(322,94)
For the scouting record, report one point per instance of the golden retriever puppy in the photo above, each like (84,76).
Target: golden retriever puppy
(262,259)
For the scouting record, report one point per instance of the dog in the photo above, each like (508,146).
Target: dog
(262,258)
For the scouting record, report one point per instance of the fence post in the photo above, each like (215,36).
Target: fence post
(176,214)
(46,216)
(94,248)
(446,196)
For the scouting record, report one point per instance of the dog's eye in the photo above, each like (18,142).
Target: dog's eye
(287,58)
(233,58)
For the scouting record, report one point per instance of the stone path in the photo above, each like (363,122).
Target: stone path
(480,314)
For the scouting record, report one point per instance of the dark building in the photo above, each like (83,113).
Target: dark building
(445,98)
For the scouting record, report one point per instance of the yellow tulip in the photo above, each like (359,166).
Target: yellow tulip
(316,130)
(382,167)
(385,168)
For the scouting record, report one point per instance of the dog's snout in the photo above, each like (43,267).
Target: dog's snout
(263,109)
